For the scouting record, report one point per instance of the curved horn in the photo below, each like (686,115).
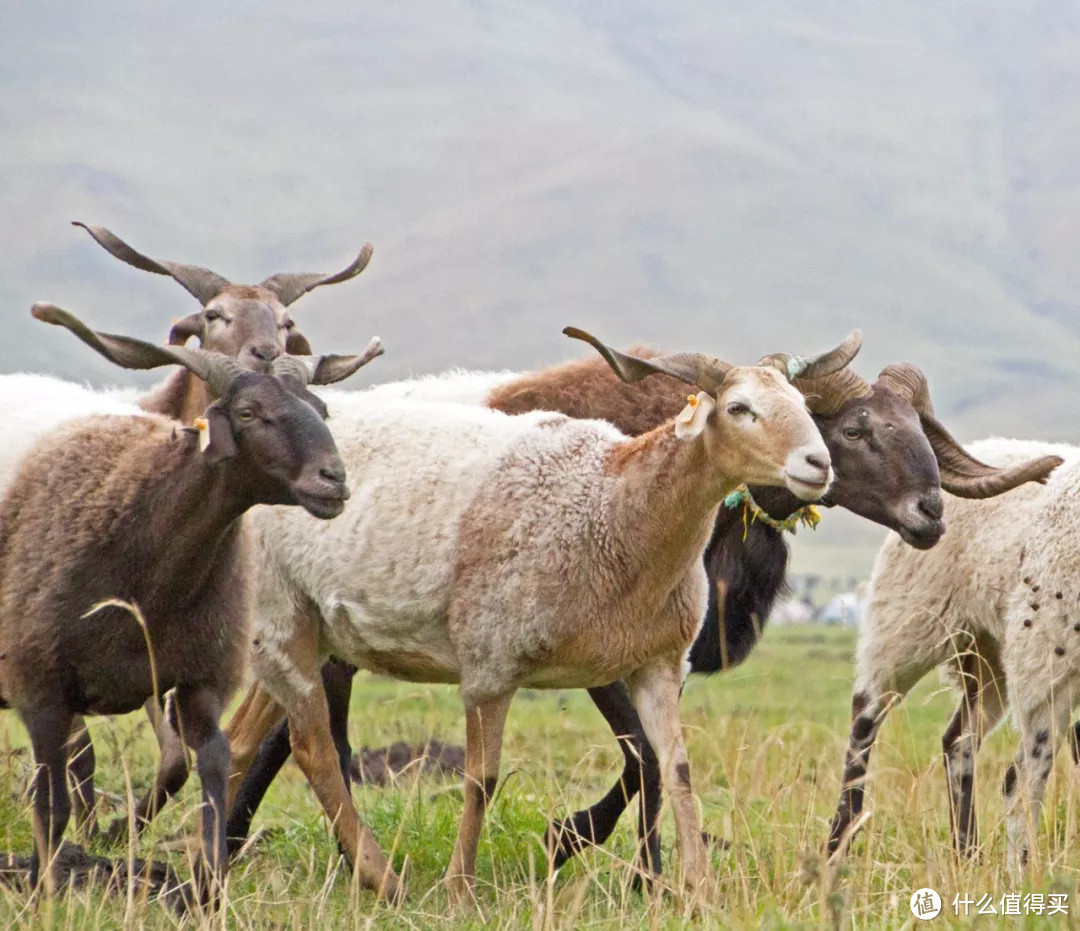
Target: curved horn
(817,366)
(693,368)
(826,395)
(964,476)
(324,370)
(216,369)
(290,287)
(961,473)
(909,382)
(202,283)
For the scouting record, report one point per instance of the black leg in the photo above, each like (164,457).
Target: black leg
(275,751)
(199,711)
(337,679)
(594,825)
(49,729)
(867,714)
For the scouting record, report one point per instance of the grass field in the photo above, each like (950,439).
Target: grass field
(766,744)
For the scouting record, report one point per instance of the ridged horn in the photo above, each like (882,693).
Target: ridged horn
(289,287)
(200,282)
(216,369)
(696,369)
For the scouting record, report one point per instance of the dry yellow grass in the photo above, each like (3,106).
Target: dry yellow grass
(766,745)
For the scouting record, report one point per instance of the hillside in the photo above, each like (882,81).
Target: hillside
(731,177)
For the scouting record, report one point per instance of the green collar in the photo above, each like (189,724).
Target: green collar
(807,514)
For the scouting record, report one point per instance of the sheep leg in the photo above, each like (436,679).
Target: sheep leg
(1042,728)
(273,754)
(641,771)
(250,723)
(980,710)
(49,729)
(172,773)
(199,710)
(275,750)
(81,765)
(172,770)
(867,714)
(655,692)
(484,722)
(313,748)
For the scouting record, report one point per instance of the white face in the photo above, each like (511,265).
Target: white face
(765,434)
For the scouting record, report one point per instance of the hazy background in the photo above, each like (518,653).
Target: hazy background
(730,177)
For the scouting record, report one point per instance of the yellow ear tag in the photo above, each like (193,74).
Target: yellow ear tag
(203,426)
(692,418)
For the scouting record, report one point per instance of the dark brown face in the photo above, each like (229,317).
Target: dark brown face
(285,444)
(883,466)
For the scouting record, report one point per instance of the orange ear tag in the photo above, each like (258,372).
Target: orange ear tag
(692,418)
(203,426)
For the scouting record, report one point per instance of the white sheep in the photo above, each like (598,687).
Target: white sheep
(502,552)
(949,607)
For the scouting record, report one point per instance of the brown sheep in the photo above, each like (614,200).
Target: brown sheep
(123,564)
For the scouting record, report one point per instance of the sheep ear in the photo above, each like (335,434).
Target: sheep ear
(296,344)
(215,436)
(691,421)
(183,330)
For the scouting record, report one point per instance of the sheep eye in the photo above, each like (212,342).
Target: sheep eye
(737,409)
(852,433)
(245,416)
(213,314)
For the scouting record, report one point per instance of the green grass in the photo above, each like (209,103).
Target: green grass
(766,744)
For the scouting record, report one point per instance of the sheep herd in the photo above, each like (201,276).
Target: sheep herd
(612,523)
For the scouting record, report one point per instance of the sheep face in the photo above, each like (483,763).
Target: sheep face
(761,431)
(285,447)
(248,323)
(884,465)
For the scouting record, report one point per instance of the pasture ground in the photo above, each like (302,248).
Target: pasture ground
(766,743)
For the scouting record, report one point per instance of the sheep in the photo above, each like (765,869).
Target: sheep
(247,322)
(1041,654)
(501,552)
(124,567)
(950,608)
(883,451)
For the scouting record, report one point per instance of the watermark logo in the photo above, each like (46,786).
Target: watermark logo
(925,904)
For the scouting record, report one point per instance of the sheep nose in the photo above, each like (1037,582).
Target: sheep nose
(265,352)
(818,461)
(335,472)
(931,505)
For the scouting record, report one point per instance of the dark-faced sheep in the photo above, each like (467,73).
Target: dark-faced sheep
(124,568)
(250,323)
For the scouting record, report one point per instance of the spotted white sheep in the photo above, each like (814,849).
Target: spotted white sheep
(973,606)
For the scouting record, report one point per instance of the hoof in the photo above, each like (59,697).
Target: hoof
(564,842)
(461,889)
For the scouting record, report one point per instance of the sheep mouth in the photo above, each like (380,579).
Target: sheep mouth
(922,537)
(322,504)
(806,490)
